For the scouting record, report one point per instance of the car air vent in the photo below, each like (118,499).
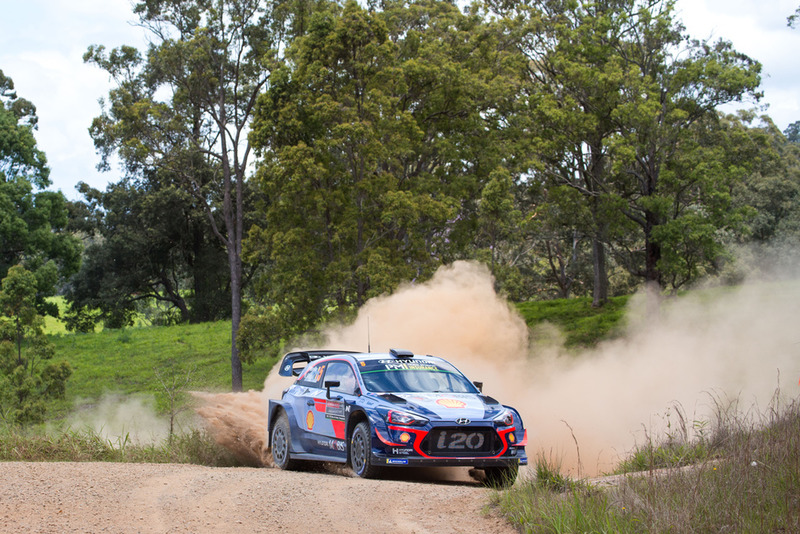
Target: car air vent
(488,400)
(391,397)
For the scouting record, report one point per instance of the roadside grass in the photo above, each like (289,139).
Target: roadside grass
(195,447)
(582,325)
(746,479)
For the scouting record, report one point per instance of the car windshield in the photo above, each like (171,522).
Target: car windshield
(397,376)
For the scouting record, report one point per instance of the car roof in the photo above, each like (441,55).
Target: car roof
(294,362)
(397,354)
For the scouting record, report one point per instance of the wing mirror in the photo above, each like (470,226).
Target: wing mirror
(479,385)
(330,384)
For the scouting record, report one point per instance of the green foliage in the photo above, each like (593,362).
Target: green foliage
(27,375)
(152,243)
(583,324)
(181,116)
(372,158)
(33,221)
(618,101)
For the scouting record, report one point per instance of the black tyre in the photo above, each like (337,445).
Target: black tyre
(361,451)
(280,441)
(501,476)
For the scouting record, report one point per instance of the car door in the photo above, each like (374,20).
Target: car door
(330,414)
(336,407)
(307,390)
(321,419)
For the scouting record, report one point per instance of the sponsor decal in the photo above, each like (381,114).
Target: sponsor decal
(409,365)
(405,437)
(451,403)
(397,461)
(511,438)
(310,420)
(333,444)
(334,410)
(401,451)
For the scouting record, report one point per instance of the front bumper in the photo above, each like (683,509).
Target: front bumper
(408,446)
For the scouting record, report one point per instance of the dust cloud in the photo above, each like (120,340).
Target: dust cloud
(121,419)
(584,410)
(238,422)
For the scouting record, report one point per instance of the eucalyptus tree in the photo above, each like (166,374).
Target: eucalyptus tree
(377,136)
(573,77)
(616,91)
(185,109)
(673,88)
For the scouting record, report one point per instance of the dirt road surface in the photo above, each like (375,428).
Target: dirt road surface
(151,498)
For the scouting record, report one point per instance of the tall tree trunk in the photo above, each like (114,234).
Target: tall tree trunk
(600,273)
(652,274)
(236,317)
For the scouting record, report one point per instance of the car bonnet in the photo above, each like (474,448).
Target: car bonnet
(447,406)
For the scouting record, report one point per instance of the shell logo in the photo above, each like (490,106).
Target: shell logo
(451,403)
(405,437)
(310,419)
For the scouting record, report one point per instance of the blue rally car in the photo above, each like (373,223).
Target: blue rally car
(397,409)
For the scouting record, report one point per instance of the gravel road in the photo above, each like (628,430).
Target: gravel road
(127,498)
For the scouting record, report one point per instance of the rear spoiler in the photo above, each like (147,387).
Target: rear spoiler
(294,362)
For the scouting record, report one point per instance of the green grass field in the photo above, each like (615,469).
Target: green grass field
(582,325)
(127,361)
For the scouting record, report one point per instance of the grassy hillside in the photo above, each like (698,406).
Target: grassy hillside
(126,361)
(581,324)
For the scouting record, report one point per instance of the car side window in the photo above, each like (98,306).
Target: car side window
(341,372)
(312,377)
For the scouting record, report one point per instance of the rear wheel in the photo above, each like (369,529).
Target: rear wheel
(501,476)
(281,438)
(361,451)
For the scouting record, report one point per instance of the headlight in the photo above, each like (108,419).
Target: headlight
(506,418)
(404,418)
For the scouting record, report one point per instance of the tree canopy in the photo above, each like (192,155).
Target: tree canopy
(376,138)
(33,220)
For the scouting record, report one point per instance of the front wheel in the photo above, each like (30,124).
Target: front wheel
(281,438)
(361,451)
(501,477)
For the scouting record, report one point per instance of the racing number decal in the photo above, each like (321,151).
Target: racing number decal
(460,440)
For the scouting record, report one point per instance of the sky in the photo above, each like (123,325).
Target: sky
(42,43)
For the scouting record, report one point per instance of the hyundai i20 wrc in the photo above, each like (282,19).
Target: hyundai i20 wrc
(391,410)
